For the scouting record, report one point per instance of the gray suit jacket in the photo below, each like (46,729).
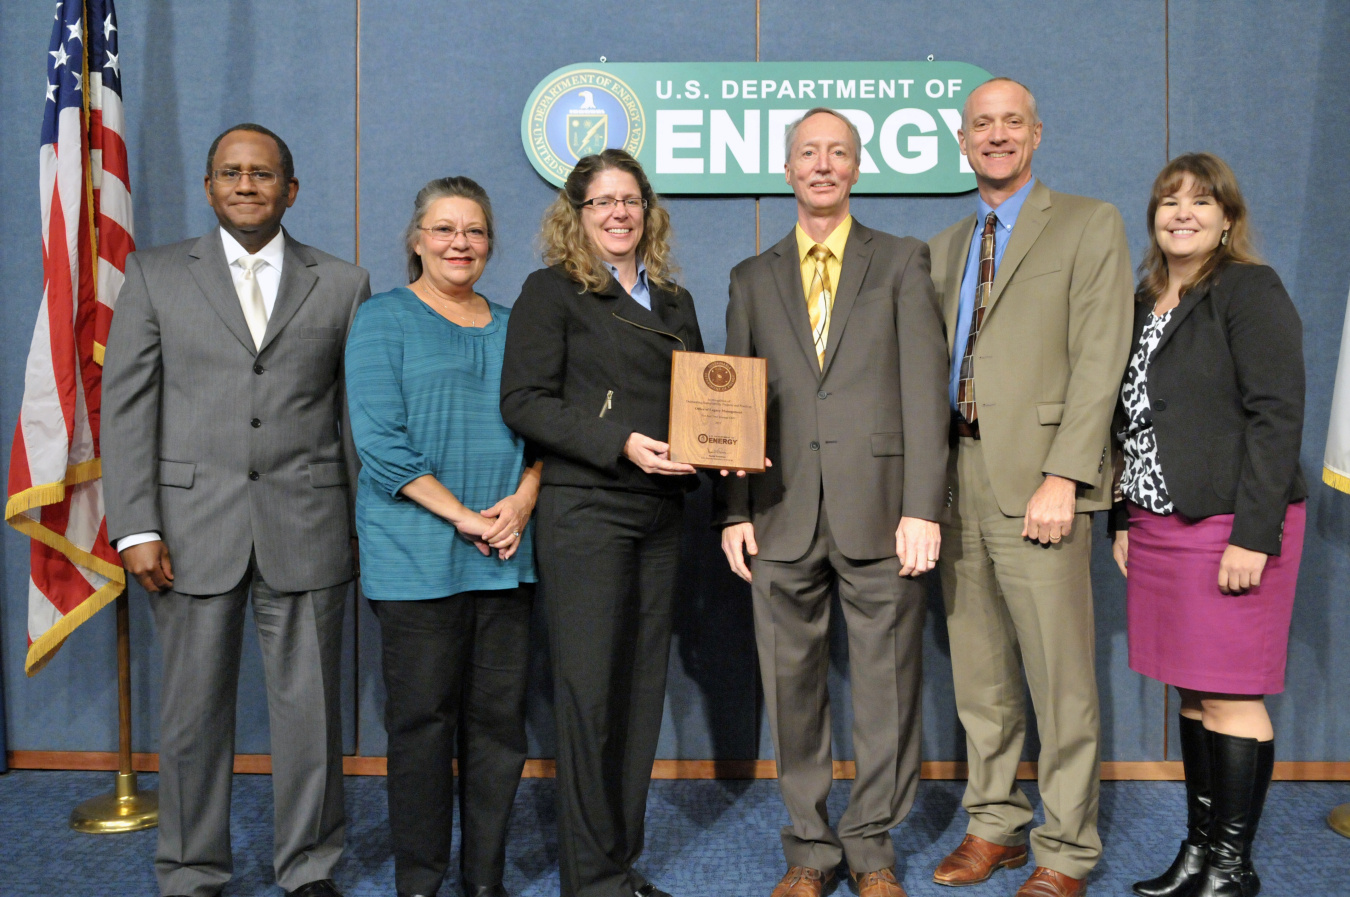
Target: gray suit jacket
(869,432)
(224,450)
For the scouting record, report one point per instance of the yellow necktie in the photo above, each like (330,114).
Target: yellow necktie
(819,301)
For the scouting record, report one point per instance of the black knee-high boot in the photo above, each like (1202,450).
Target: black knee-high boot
(1240,770)
(1186,868)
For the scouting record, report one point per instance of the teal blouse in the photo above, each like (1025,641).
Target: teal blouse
(424,396)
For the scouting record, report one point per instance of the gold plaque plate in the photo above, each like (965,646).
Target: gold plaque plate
(718,411)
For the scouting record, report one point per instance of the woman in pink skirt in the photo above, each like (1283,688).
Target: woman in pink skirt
(1209,530)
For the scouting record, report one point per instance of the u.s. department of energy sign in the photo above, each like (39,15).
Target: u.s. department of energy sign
(718,127)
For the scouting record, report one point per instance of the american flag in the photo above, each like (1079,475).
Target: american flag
(55,485)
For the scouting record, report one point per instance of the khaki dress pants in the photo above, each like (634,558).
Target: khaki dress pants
(1013,607)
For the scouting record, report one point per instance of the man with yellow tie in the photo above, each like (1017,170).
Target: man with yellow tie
(857,432)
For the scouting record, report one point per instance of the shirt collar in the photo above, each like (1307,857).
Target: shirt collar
(614,272)
(1008,211)
(272,253)
(835,242)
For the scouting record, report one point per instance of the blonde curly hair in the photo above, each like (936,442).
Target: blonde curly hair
(564,240)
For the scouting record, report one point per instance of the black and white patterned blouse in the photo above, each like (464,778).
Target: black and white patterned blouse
(1142,482)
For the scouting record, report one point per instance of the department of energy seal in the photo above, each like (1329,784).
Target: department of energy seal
(579,112)
(719,376)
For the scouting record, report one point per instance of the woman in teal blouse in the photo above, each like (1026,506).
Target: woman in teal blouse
(443,506)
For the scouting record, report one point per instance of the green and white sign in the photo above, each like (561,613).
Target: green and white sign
(718,127)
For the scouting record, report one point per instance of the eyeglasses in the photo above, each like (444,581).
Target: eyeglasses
(605,203)
(444,233)
(260,177)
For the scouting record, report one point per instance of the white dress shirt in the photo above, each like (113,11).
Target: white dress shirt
(269,281)
(268,274)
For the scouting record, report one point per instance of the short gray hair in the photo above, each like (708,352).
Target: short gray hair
(443,188)
(790,136)
(1031,99)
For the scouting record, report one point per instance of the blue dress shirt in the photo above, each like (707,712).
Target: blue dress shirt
(641,293)
(1003,227)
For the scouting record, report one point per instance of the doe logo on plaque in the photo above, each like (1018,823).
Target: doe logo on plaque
(718,411)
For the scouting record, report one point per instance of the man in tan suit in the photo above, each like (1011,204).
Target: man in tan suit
(857,431)
(1044,280)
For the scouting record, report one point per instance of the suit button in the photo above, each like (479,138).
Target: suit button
(822,394)
(815,446)
(257,369)
(1160,405)
(255,423)
(253,474)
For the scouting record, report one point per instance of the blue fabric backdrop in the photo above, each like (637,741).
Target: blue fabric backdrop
(1120,87)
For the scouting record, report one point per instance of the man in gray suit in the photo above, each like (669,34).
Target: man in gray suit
(857,429)
(225,476)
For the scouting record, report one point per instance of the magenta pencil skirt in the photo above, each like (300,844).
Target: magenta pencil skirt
(1183,630)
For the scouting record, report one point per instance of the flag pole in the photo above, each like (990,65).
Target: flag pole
(127,808)
(1336,474)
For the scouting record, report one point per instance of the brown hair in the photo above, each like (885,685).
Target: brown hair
(1213,177)
(443,188)
(564,240)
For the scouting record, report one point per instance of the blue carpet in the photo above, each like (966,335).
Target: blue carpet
(704,838)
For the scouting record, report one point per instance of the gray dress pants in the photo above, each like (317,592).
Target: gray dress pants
(300,634)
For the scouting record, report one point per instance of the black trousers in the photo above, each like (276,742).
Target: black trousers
(455,671)
(607,566)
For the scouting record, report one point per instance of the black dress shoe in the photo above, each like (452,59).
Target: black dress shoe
(324,887)
(650,890)
(485,890)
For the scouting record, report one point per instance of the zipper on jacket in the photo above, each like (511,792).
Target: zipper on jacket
(609,403)
(648,329)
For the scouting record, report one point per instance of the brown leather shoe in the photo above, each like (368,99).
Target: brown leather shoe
(976,859)
(881,883)
(802,881)
(1049,883)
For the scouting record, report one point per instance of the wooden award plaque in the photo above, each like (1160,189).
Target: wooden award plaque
(718,411)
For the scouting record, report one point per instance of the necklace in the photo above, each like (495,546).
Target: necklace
(451,307)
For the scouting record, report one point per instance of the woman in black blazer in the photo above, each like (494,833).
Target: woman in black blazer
(586,379)
(1209,525)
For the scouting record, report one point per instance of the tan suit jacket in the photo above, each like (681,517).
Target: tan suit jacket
(1053,346)
(868,434)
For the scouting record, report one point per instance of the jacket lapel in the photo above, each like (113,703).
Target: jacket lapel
(1179,314)
(956,271)
(625,306)
(664,306)
(1141,312)
(212,274)
(787,275)
(297,280)
(852,270)
(1031,221)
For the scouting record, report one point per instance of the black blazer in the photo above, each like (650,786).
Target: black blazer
(583,370)
(1226,390)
